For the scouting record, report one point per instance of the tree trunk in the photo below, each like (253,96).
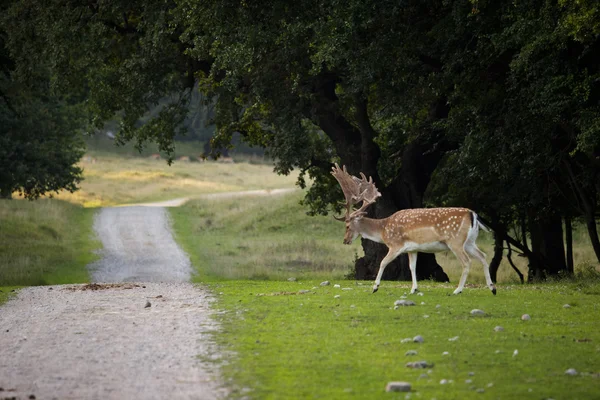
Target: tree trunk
(357,149)
(569,243)
(547,242)
(497,258)
(590,224)
(5,193)
(406,191)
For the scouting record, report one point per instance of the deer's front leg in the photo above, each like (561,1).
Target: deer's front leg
(412,263)
(386,260)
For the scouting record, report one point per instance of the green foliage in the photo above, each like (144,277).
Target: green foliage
(289,344)
(39,132)
(39,147)
(500,99)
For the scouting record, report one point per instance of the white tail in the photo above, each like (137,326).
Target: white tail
(426,230)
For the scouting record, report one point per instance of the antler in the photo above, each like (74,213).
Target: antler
(355,190)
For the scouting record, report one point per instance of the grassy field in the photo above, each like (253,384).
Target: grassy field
(115,179)
(273,238)
(296,340)
(44,242)
(261,238)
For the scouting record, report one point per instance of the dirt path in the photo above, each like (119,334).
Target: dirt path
(104,341)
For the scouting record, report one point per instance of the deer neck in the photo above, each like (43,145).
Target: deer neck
(371,229)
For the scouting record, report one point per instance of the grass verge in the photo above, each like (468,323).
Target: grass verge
(44,242)
(261,238)
(294,344)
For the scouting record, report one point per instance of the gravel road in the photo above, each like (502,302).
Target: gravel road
(140,331)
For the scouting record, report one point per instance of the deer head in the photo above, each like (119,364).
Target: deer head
(356,190)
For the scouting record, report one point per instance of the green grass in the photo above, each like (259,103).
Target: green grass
(7,292)
(287,344)
(44,242)
(313,345)
(261,238)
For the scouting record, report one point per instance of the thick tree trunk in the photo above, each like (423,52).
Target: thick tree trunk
(547,242)
(358,150)
(406,191)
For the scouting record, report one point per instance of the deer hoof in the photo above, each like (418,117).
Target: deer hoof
(457,291)
(414,291)
(494,291)
(375,288)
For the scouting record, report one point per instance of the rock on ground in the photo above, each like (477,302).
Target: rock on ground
(398,387)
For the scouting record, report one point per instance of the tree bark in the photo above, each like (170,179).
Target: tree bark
(358,150)
(547,240)
(406,191)
(569,243)
(5,193)
(512,264)
(497,258)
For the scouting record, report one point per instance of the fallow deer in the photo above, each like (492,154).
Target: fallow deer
(426,230)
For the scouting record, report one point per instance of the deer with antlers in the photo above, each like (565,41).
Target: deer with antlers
(426,230)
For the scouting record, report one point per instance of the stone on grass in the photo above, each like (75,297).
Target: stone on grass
(325,283)
(567,306)
(404,303)
(477,312)
(337,296)
(515,353)
(304,291)
(443,381)
(411,353)
(292,279)
(445,353)
(347,288)
(398,387)
(525,317)
(571,371)
(418,339)
(420,294)
(336,286)
(453,339)
(419,364)
(499,328)
(406,340)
